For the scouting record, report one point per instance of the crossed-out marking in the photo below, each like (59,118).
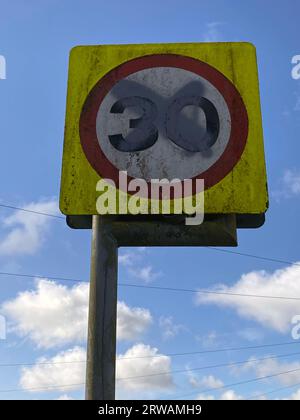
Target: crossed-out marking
(168,120)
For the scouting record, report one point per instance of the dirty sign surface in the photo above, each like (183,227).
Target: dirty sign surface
(181,111)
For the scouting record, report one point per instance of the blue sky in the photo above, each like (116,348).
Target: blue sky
(46,319)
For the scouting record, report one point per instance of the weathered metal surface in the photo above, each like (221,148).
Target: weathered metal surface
(108,234)
(101,345)
(164,87)
(241,191)
(216,230)
(243,221)
(220,231)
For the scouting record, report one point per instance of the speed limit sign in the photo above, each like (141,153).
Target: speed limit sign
(165,111)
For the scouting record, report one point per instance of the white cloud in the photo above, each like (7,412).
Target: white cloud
(169,328)
(228,395)
(192,378)
(269,367)
(272,313)
(2,67)
(27,231)
(289,185)
(213,33)
(205,397)
(141,365)
(51,314)
(295,396)
(251,334)
(61,370)
(209,340)
(284,373)
(208,381)
(55,315)
(64,397)
(128,258)
(68,368)
(146,273)
(133,262)
(232,395)
(291,179)
(211,381)
(132,322)
(2,327)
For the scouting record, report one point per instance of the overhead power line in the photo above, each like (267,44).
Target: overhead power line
(167,289)
(225,349)
(210,292)
(44,388)
(258,257)
(41,363)
(273,391)
(209,351)
(220,365)
(243,254)
(38,276)
(7,206)
(50,387)
(248,381)
(242,362)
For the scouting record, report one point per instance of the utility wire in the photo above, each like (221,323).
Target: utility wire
(272,392)
(242,362)
(215,350)
(243,254)
(168,289)
(210,292)
(209,351)
(40,363)
(183,396)
(173,289)
(260,257)
(38,276)
(30,211)
(45,388)
(204,391)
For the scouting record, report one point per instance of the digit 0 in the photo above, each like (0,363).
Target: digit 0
(205,138)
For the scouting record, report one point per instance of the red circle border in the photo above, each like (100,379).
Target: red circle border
(238,113)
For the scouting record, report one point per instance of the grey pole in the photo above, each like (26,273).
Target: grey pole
(101,346)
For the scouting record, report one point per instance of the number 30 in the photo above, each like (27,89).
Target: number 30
(145,132)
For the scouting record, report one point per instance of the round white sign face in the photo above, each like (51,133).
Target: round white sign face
(163,122)
(164,116)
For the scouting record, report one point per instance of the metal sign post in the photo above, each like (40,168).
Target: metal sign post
(101,348)
(108,233)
